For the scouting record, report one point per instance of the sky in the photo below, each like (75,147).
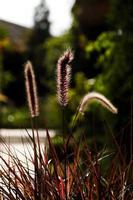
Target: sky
(22,11)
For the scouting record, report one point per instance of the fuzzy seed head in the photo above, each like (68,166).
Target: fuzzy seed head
(99,98)
(63,77)
(31,89)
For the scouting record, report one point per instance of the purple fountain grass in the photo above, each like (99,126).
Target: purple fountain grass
(85,173)
(31,90)
(63,77)
(63,82)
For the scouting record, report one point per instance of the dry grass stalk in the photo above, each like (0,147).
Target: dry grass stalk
(63,77)
(99,98)
(31,89)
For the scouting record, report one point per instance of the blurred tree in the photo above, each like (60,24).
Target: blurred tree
(119,74)
(41,25)
(90,16)
(5,76)
(39,35)
(114,49)
(89,20)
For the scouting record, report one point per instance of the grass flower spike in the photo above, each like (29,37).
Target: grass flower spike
(99,98)
(63,77)
(31,89)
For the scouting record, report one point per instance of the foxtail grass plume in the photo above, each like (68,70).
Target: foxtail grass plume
(99,98)
(63,77)
(31,89)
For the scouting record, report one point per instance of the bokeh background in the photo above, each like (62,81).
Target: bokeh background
(100,33)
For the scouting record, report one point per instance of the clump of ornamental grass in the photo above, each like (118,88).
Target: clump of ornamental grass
(43,176)
(85,178)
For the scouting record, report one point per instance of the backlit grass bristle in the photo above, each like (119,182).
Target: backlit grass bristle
(63,77)
(31,89)
(99,98)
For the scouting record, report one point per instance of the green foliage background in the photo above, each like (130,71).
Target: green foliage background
(102,44)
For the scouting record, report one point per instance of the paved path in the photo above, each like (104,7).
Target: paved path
(16,135)
(18,147)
